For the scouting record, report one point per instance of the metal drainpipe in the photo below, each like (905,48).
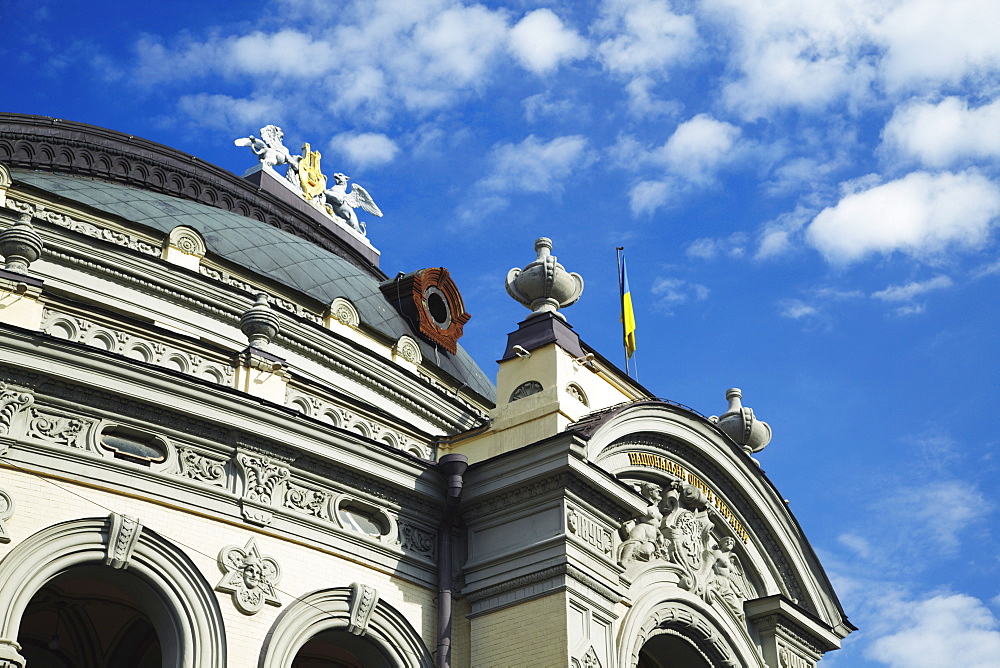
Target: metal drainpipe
(453,466)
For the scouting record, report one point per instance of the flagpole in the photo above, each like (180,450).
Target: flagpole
(621,305)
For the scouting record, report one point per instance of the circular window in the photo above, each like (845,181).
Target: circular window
(437,308)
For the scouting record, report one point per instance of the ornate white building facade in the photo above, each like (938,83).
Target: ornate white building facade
(227,438)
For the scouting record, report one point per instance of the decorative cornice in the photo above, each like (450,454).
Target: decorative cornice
(560,481)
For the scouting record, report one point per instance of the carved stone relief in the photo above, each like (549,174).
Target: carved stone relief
(123,534)
(261,480)
(344,312)
(676,529)
(587,529)
(83,227)
(6,512)
(408,349)
(308,501)
(787,658)
(58,429)
(201,468)
(249,577)
(413,538)
(345,419)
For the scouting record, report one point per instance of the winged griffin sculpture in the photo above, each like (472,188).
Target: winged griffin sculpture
(341,203)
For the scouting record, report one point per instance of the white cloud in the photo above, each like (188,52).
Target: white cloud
(795,53)
(921,215)
(643,36)
(942,630)
(903,293)
(733,246)
(670,292)
(542,105)
(647,196)
(364,149)
(541,42)
(535,165)
(229,114)
(776,237)
(929,43)
(939,135)
(796,309)
(698,146)
(643,102)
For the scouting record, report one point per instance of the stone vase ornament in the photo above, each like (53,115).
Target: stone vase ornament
(259,323)
(740,424)
(544,286)
(20,245)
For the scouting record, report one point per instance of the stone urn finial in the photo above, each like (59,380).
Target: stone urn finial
(20,245)
(741,425)
(544,286)
(259,323)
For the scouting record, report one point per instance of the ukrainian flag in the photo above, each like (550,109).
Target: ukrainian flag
(627,315)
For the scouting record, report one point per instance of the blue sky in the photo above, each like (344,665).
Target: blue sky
(807,191)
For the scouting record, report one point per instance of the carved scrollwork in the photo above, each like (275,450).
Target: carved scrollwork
(415,539)
(201,468)
(12,402)
(6,512)
(261,478)
(58,429)
(363,600)
(123,535)
(187,240)
(308,501)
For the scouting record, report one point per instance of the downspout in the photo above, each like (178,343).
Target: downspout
(453,467)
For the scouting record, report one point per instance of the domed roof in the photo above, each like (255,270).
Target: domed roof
(260,247)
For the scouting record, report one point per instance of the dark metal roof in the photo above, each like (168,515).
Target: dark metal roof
(263,249)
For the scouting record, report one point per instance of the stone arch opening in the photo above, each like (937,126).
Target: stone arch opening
(168,588)
(346,624)
(91,617)
(671,650)
(340,649)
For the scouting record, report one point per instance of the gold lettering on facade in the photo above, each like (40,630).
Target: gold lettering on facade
(661,463)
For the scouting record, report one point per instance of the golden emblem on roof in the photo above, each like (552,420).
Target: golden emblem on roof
(311,179)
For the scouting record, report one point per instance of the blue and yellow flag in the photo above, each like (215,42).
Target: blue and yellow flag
(627,314)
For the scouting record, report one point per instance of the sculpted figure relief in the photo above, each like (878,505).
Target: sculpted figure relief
(641,538)
(676,528)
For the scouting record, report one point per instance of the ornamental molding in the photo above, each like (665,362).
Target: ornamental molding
(249,577)
(64,429)
(589,530)
(416,539)
(407,348)
(123,534)
(196,466)
(125,240)
(344,312)
(525,389)
(307,500)
(792,633)
(151,351)
(559,571)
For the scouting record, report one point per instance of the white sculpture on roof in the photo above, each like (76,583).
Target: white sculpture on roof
(342,204)
(271,152)
(305,178)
